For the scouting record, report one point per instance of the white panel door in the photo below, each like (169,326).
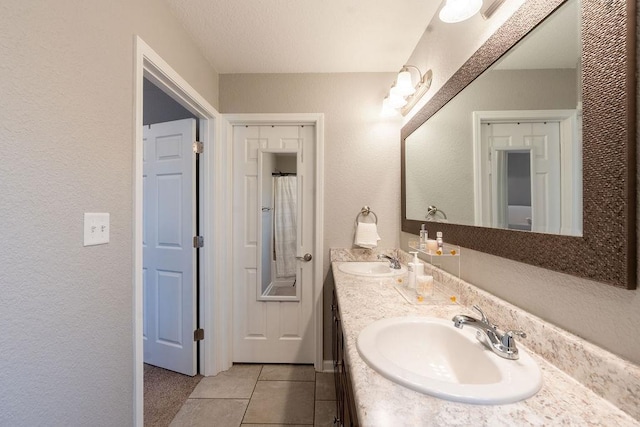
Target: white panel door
(271,331)
(543,141)
(169,258)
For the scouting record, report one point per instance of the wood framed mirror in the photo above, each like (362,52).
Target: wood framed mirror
(606,250)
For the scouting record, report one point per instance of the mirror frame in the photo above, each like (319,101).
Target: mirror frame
(606,252)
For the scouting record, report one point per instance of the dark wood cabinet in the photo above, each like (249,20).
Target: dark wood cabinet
(345,405)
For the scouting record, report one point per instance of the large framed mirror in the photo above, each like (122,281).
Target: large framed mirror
(528,151)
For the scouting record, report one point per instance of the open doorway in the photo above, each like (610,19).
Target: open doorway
(170,262)
(170,221)
(213,272)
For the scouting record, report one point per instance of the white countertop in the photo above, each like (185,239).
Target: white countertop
(381,402)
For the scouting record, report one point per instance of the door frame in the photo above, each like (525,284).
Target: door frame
(215,313)
(316,119)
(570,159)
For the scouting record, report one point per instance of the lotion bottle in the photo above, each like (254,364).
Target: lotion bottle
(411,268)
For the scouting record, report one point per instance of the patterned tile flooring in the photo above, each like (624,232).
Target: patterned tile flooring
(261,395)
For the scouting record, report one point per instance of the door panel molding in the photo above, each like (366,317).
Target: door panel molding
(170,221)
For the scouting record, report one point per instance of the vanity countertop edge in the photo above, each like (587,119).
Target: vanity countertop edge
(381,402)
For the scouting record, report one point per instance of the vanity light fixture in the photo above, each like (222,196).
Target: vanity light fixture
(459,10)
(403,95)
(493,7)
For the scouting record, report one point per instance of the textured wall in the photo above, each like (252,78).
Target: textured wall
(362,152)
(66,315)
(599,313)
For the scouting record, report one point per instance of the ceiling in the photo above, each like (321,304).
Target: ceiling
(305,36)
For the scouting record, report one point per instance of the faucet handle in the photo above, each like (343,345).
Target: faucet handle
(511,333)
(507,339)
(484,317)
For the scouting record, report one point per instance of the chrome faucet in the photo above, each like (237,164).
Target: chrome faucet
(504,345)
(394,263)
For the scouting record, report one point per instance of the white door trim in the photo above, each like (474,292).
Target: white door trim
(317,119)
(570,148)
(215,277)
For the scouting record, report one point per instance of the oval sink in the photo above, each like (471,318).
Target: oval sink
(431,356)
(371,269)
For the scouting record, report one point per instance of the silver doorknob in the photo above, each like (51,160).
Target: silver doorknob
(305,258)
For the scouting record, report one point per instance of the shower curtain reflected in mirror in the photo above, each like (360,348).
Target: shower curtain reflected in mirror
(285,210)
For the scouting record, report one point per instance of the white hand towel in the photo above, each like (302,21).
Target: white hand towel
(367,235)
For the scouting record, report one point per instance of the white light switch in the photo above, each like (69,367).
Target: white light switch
(96,228)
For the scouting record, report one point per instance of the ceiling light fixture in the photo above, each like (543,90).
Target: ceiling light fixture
(403,95)
(459,10)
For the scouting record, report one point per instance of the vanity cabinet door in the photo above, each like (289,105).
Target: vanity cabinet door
(345,405)
(337,362)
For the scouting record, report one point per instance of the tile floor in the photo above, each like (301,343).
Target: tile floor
(261,395)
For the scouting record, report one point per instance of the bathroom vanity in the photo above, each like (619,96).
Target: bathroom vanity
(575,373)
(346,414)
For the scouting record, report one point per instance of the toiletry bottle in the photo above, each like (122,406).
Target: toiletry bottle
(439,242)
(411,268)
(418,268)
(424,235)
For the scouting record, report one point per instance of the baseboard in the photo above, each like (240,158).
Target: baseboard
(328,366)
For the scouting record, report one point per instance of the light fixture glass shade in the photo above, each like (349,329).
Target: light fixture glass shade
(396,100)
(387,110)
(459,10)
(404,86)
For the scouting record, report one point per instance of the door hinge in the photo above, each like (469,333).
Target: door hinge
(198,241)
(198,334)
(198,147)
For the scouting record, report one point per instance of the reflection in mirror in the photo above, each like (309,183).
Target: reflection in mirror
(279,213)
(515,210)
(506,152)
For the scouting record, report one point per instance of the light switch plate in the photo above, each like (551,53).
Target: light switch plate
(96,228)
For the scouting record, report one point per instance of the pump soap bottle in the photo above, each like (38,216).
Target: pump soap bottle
(411,268)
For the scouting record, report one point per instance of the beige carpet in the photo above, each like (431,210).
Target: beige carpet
(164,394)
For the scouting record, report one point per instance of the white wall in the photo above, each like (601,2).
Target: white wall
(362,152)
(66,314)
(602,314)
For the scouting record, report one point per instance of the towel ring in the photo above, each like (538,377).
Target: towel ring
(365,211)
(432,211)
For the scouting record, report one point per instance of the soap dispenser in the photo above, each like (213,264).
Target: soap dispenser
(418,268)
(411,268)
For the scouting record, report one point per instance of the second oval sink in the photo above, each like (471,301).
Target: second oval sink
(431,356)
(371,269)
